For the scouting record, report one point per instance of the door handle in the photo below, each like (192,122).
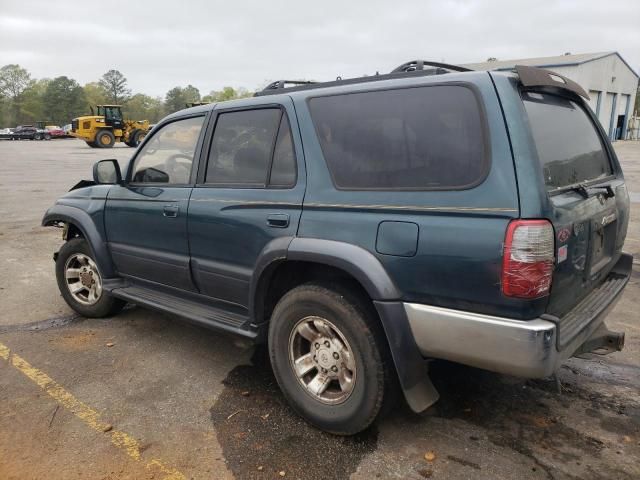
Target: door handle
(278,220)
(170,211)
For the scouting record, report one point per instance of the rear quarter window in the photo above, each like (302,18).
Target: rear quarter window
(418,138)
(569,147)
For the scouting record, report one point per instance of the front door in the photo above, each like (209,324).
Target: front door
(146,218)
(247,199)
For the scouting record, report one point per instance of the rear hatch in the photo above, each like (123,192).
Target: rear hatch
(588,201)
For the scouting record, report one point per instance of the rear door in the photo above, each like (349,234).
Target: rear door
(248,198)
(588,199)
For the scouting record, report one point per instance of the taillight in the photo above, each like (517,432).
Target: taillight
(528,260)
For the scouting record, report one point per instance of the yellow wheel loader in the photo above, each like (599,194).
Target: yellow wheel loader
(107,127)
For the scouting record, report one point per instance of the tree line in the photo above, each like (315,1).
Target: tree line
(24,100)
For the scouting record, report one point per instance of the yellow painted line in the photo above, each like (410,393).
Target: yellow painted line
(85,413)
(4,352)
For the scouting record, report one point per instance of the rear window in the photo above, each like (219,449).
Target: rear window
(406,139)
(569,147)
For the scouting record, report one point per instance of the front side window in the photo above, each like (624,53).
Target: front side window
(569,148)
(168,155)
(246,144)
(405,139)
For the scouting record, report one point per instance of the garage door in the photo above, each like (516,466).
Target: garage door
(605,112)
(594,97)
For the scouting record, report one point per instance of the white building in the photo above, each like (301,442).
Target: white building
(610,81)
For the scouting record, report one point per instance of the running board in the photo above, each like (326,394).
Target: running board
(198,312)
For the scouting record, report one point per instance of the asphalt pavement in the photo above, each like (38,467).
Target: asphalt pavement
(147,396)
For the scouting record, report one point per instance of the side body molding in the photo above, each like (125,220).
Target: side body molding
(356,261)
(86,224)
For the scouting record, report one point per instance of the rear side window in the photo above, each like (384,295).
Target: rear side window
(405,139)
(283,171)
(241,147)
(252,148)
(569,147)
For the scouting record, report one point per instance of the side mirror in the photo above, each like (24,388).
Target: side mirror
(107,172)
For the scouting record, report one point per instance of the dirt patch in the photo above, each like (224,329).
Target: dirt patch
(261,436)
(75,341)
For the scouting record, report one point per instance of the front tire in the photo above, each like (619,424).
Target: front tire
(330,357)
(80,281)
(135,138)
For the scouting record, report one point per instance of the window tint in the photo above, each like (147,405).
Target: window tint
(569,147)
(283,170)
(168,155)
(413,138)
(242,146)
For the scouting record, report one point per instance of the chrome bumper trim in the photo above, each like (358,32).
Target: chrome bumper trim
(514,347)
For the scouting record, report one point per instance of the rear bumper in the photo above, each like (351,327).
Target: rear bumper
(515,347)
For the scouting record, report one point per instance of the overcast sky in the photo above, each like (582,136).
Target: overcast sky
(160,44)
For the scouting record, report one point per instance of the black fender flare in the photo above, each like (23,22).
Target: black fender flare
(83,221)
(363,266)
(356,261)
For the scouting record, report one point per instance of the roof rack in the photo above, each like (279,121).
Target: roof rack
(417,65)
(278,84)
(409,69)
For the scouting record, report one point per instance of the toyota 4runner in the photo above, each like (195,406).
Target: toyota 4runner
(362,227)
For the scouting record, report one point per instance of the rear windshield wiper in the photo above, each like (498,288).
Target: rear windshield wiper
(588,192)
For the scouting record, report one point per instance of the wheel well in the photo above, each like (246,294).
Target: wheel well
(73,232)
(289,274)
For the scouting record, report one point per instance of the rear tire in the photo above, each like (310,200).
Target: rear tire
(104,139)
(91,144)
(47,136)
(80,281)
(331,336)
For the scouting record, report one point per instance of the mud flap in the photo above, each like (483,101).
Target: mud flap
(412,368)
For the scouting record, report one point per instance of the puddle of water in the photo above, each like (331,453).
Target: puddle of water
(256,428)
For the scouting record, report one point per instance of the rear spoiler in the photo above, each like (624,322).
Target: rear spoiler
(533,77)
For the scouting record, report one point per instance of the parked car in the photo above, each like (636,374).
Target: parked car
(55,131)
(361,227)
(29,132)
(5,133)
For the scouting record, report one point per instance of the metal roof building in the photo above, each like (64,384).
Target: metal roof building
(609,79)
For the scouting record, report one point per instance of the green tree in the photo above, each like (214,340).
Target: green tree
(178,97)
(115,84)
(32,103)
(227,93)
(144,107)
(174,100)
(14,80)
(63,99)
(95,94)
(191,94)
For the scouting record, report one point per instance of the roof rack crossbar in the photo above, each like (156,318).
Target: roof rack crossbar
(417,65)
(278,84)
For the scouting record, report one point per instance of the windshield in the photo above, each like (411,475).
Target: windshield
(569,148)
